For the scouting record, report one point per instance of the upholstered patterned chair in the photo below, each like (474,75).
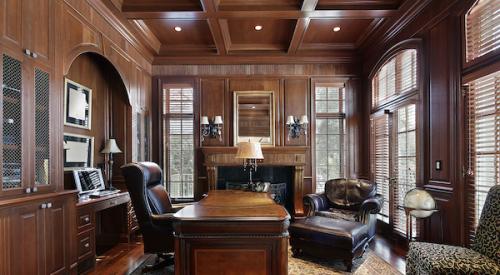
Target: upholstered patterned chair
(482,258)
(347,199)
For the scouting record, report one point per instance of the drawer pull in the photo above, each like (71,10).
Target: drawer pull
(49,205)
(43,206)
(86,245)
(86,219)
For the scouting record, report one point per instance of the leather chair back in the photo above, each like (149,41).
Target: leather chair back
(144,182)
(349,193)
(487,238)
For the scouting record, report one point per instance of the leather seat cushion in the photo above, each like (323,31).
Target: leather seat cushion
(343,214)
(331,232)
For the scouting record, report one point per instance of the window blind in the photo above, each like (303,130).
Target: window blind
(482,28)
(380,160)
(178,141)
(397,76)
(483,118)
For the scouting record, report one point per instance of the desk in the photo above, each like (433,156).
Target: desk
(232,232)
(112,227)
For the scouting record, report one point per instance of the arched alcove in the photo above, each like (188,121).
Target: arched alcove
(111,111)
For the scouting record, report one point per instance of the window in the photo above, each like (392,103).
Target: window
(330,133)
(397,76)
(178,141)
(394,135)
(482,94)
(482,28)
(484,143)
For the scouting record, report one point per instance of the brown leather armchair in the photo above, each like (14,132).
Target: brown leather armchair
(153,209)
(347,199)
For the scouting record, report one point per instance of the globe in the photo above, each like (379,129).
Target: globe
(421,202)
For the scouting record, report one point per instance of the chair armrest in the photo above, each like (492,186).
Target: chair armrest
(315,203)
(163,220)
(372,205)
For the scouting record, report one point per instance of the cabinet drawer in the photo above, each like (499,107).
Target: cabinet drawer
(86,244)
(85,219)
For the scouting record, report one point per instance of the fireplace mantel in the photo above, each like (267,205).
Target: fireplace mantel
(294,156)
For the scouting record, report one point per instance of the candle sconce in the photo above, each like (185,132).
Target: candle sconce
(212,128)
(297,127)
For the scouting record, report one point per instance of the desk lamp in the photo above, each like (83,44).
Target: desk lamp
(110,148)
(250,152)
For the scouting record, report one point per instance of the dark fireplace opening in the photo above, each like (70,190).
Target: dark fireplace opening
(280,178)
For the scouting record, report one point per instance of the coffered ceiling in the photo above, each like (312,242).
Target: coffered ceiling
(232,31)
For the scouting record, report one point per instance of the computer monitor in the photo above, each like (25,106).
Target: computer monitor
(88,181)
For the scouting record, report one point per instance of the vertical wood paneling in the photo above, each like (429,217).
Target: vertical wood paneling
(439,101)
(212,101)
(296,102)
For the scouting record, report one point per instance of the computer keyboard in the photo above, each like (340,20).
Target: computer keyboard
(104,193)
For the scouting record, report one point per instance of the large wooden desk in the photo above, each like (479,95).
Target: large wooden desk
(232,232)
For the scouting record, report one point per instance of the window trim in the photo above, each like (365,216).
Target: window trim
(157,142)
(416,96)
(317,82)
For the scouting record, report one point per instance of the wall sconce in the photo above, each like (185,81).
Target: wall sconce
(297,127)
(212,128)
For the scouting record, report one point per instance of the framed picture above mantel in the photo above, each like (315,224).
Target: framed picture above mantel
(77,105)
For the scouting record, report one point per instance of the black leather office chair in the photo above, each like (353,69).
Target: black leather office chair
(153,210)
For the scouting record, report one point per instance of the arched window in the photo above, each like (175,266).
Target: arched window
(482,28)
(397,76)
(394,150)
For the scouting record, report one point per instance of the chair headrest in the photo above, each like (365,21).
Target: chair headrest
(152,173)
(349,192)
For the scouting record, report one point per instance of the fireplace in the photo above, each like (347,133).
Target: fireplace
(223,167)
(280,178)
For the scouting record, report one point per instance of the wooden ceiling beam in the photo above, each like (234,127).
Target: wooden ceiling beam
(209,6)
(301,26)
(290,14)
(298,34)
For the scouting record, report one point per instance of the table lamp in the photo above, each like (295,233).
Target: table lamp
(110,148)
(250,152)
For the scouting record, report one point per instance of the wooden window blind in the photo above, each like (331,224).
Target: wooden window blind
(483,119)
(178,140)
(397,76)
(380,160)
(330,133)
(482,28)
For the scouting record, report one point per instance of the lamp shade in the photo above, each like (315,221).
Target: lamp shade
(304,120)
(249,150)
(204,120)
(290,120)
(111,147)
(422,203)
(218,120)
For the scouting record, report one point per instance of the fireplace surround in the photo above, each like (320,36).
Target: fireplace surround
(294,157)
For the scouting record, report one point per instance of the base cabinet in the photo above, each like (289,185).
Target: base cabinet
(35,236)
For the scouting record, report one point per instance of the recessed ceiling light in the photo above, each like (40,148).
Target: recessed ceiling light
(178,29)
(258,27)
(336,29)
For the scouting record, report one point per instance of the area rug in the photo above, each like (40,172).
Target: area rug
(369,264)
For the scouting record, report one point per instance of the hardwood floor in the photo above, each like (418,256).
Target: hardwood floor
(125,258)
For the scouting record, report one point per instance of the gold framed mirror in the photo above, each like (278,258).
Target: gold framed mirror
(254,117)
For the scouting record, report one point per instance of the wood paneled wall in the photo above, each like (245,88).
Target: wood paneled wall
(440,28)
(292,88)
